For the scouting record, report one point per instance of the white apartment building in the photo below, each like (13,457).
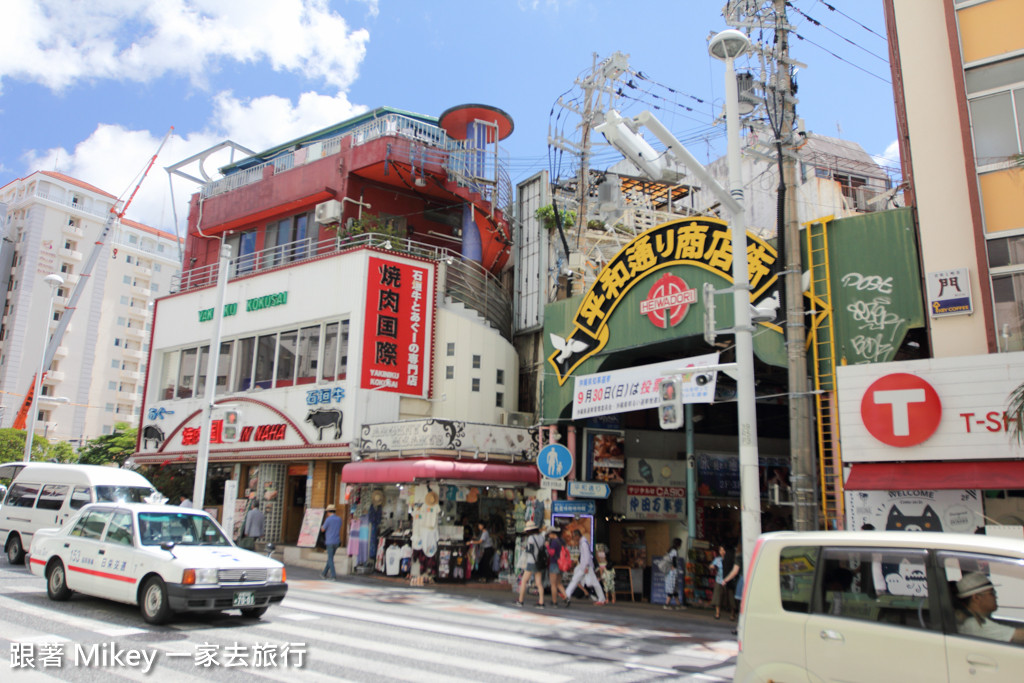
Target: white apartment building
(51,225)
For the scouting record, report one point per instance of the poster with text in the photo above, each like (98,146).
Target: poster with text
(956,511)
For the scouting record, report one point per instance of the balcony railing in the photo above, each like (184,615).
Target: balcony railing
(466,281)
(469,166)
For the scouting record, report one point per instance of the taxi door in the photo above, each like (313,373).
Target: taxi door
(116,559)
(81,551)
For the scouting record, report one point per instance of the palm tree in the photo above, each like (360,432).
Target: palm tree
(1015,414)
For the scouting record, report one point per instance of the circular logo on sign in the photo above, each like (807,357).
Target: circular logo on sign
(667,302)
(901,410)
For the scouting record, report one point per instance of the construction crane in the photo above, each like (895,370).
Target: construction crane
(51,348)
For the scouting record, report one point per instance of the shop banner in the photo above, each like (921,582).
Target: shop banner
(573,507)
(623,391)
(453,435)
(655,489)
(951,511)
(718,475)
(398,334)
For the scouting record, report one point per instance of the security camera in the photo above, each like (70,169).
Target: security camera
(701,380)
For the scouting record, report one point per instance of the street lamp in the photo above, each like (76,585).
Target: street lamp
(54,281)
(727,46)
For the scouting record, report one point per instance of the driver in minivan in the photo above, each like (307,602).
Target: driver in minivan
(978,598)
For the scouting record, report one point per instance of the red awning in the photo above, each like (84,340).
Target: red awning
(959,474)
(409,470)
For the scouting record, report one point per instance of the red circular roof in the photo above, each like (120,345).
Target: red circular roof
(456,120)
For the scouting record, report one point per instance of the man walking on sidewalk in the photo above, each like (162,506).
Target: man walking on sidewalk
(332,539)
(584,571)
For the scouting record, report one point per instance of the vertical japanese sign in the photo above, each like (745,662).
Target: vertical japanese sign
(399,318)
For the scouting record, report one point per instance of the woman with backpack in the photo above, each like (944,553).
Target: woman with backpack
(536,554)
(557,554)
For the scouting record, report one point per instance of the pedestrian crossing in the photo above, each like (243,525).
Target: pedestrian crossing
(344,635)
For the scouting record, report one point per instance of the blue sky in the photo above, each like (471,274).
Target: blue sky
(90,88)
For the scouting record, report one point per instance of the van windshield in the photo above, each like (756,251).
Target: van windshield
(122,494)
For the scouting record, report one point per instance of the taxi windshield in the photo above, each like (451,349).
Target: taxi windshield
(181,528)
(122,494)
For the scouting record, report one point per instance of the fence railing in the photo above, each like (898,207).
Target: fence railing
(464,281)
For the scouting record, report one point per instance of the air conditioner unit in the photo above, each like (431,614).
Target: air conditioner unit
(328,212)
(513,419)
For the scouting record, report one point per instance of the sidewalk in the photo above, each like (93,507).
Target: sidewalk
(502,594)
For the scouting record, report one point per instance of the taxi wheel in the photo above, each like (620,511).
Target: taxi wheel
(57,582)
(254,612)
(15,553)
(153,603)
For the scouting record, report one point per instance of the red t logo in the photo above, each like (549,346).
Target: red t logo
(901,410)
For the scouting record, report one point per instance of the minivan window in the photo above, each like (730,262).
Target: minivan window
(880,585)
(796,577)
(80,497)
(22,495)
(123,494)
(52,497)
(997,616)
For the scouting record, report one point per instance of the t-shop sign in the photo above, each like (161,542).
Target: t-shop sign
(399,321)
(934,409)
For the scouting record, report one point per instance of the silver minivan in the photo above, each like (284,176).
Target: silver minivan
(44,495)
(882,606)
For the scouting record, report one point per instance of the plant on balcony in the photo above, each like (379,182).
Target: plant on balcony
(547,215)
(372,223)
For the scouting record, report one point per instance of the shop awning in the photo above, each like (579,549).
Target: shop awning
(409,470)
(959,474)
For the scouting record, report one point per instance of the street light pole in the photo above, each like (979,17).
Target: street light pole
(54,281)
(727,46)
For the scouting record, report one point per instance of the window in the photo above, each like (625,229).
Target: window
(476,362)
(266,349)
(476,384)
(796,577)
(500,378)
(125,301)
(92,524)
(886,585)
(243,364)
(112,386)
(309,351)
(116,365)
(156,267)
(994,583)
(335,354)
(449,372)
(120,529)
(109,407)
(202,365)
(122,321)
(286,352)
(80,497)
(22,495)
(169,375)
(187,373)
(52,497)
(127,279)
(499,399)
(451,349)
(223,367)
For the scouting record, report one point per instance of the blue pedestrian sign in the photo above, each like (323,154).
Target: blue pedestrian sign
(554,461)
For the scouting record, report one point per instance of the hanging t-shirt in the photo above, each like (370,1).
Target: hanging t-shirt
(393,559)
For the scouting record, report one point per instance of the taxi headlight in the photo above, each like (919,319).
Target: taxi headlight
(275,575)
(197,577)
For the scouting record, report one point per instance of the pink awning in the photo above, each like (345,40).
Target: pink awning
(409,470)
(947,474)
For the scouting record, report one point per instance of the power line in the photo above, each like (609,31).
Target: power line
(842,37)
(833,9)
(825,49)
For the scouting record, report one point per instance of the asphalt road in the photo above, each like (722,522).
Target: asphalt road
(360,629)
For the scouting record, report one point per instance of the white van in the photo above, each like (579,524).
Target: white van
(44,495)
(882,606)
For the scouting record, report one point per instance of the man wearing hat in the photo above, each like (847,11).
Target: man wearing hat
(978,596)
(332,539)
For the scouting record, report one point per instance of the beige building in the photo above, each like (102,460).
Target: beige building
(958,71)
(50,225)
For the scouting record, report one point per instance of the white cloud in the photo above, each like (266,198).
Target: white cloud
(58,43)
(112,156)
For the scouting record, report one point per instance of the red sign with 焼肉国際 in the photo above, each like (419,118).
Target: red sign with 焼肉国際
(396,340)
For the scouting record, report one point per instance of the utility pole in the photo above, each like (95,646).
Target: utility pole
(802,469)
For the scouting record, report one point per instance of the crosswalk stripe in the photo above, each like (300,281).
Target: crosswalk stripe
(102,628)
(393,649)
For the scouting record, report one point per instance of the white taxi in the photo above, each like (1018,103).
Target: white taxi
(163,558)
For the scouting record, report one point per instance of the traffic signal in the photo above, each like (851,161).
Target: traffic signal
(232,427)
(670,408)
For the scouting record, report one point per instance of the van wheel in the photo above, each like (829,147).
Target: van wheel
(57,582)
(254,612)
(15,553)
(153,602)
